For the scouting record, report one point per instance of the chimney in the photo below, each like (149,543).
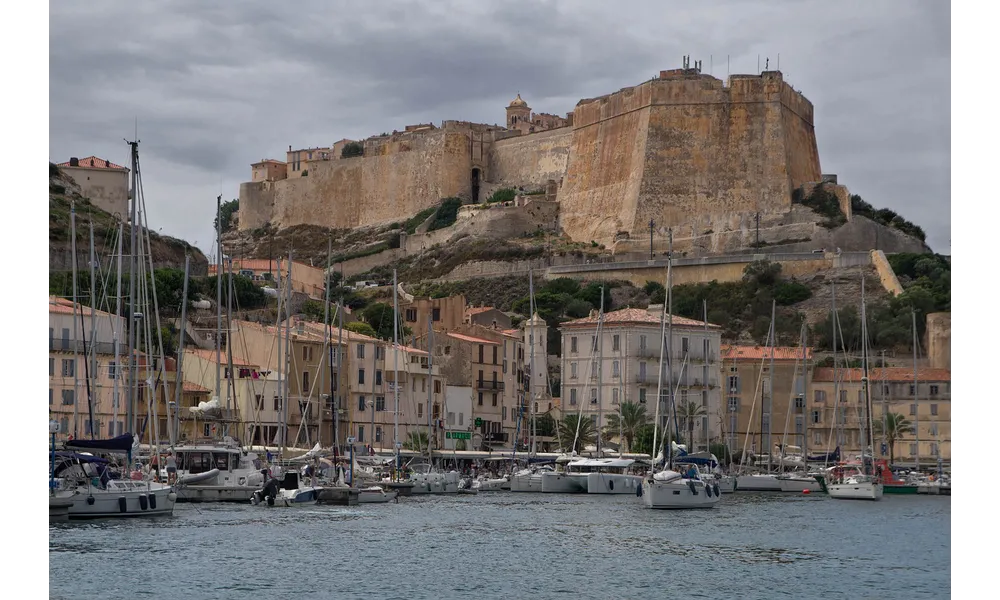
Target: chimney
(74,162)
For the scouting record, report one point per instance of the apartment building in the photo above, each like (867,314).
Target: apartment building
(836,411)
(600,371)
(753,416)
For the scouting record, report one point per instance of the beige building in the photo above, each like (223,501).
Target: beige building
(241,394)
(520,118)
(306,279)
(752,413)
(446,314)
(599,375)
(487,316)
(268,169)
(105,183)
(836,406)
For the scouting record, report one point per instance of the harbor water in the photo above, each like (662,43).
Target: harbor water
(506,545)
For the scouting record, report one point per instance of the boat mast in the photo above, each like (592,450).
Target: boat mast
(278,357)
(834,319)
(805,420)
(659,375)
(326,341)
(770,387)
(395,368)
(76,342)
(531,362)
(174,419)
(600,374)
(708,349)
(670,341)
(341,351)
(288,348)
(130,322)
(218,300)
(430,387)
(231,380)
(916,391)
(92,386)
(866,432)
(116,331)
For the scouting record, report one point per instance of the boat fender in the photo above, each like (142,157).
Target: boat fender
(152,501)
(611,484)
(172,497)
(143,504)
(708,491)
(122,504)
(638,491)
(243,480)
(715,488)
(90,500)
(694,490)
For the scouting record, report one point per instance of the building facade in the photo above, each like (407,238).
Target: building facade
(102,181)
(621,364)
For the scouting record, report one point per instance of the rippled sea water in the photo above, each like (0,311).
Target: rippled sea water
(506,545)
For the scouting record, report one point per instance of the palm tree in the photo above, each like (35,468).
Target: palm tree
(687,413)
(416,440)
(626,423)
(568,432)
(893,426)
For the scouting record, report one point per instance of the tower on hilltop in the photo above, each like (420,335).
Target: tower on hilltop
(518,111)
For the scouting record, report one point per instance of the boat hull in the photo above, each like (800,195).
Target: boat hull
(864,490)
(376,496)
(434,483)
(800,484)
(214,493)
(757,483)
(140,500)
(612,483)
(493,485)
(526,482)
(677,495)
(562,483)
(727,484)
(904,489)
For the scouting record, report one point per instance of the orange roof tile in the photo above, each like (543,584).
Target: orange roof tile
(210,355)
(93,162)
(62,306)
(190,386)
(636,315)
(894,374)
(732,352)
(468,338)
(478,309)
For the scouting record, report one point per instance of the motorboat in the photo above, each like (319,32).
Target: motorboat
(376,495)
(427,480)
(606,475)
(211,471)
(758,482)
(290,490)
(669,489)
(95,488)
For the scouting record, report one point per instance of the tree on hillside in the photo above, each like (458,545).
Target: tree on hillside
(379,316)
(361,327)
(226,213)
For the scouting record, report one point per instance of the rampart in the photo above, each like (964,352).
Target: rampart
(530,160)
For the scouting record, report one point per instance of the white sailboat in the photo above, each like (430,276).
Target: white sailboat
(860,481)
(669,489)
(756,481)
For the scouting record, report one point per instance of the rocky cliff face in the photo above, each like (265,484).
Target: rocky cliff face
(64,194)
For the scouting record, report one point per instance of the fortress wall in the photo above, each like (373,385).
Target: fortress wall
(530,160)
(802,153)
(600,191)
(397,179)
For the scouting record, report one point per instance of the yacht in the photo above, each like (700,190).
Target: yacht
(798,482)
(211,471)
(850,482)
(669,489)
(606,475)
(427,480)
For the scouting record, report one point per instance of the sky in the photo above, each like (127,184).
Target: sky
(214,87)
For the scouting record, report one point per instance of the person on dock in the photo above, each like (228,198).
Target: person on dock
(171,468)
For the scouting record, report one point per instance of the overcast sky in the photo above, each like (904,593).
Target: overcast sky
(217,86)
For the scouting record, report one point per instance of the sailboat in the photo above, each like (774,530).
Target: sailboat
(669,488)
(859,481)
(78,475)
(761,482)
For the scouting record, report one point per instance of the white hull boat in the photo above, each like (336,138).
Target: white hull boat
(216,472)
(798,483)
(526,481)
(554,482)
(612,483)
(758,483)
(376,495)
(493,484)
(855,488)
(122,498)
(727,484)
(670,490)
(434,483)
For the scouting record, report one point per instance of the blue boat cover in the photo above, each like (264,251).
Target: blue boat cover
(122,443)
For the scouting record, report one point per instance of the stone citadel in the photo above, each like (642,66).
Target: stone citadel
(684,150)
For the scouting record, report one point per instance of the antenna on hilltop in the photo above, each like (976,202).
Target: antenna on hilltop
(767,63)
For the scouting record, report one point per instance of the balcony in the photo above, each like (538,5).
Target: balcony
(500,437)
(60,345)
(490,385)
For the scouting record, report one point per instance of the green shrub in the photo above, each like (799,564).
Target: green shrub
(411,224)
(352,149)
(502,195)
(446,215)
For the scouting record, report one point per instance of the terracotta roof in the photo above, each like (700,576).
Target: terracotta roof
(636,315)
(408,349)
(317,328)
(468,338)
(190,386)
(513,333)
(210,356)
(269,160)
(894,374)
(93,162)
(475,310)
(62,306)
(731,352)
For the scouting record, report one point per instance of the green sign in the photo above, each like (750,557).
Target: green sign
(457,435)
(479,422)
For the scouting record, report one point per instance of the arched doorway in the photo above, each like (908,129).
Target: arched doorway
(475,185)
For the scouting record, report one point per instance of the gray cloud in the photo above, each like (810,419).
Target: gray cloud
(216,86)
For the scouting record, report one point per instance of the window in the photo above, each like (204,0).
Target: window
(65,338)
(913,449)
(112,371)
(380,352)
(436,314)
(361,350)
(933,429)
(52,367)
(305,382)
(734,405)
(411,315)
(378,434)
(361,374)
(495,354)
(451,418)
(277,403)
(461,419)
(843,395)
(885,390)
(447,350)
(934,448)
(819,396)
(504,417)
(800,402)
(307,353)
(480,399)
(361,403)
(572,344)
(572,398)
(481,354)
(934,409)
(734,384)
(642,395)
(798,424)
(67,397)
(378,377)
(842,416)
(206,430)
(420,410)
(593,343)
(642,372)
(913,390)
(594,368)
(593,395)
(616,343)
(505,366)
(642,342)
(259,401)
(361,433)
(494,399)
(684,345)
(817,438)
(423,384)
(50,396)
(437,386)
(861,396)
(615,369)
(614,396)
(572,370)
(816,417)
(379,403)
(68,367)
(934,390)
(913,409)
